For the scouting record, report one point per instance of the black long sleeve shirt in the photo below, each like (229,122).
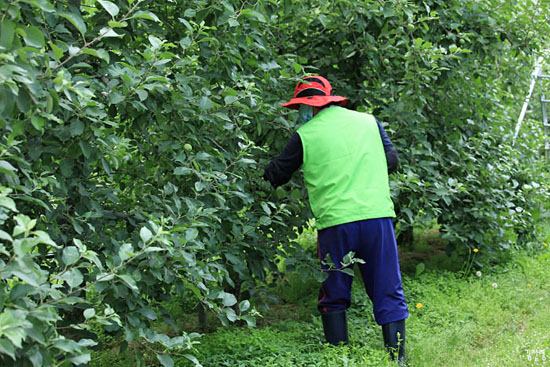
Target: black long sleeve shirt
(280,170)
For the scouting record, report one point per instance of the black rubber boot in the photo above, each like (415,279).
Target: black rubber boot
(335,325)
(394,340)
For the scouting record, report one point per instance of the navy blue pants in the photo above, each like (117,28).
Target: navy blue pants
(373,241)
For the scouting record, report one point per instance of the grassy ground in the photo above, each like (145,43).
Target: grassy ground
(499,317)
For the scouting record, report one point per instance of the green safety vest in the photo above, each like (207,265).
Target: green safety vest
(345,167)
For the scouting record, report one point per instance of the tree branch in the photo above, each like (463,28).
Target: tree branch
(95,40)
(111,273)
(8,8)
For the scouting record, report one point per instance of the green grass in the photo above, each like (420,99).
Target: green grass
(489,320)
(481,321)
(462,322)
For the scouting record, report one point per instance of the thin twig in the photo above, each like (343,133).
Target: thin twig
(88,44)
(8,8)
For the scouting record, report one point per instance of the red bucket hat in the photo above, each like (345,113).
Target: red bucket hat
(313,91)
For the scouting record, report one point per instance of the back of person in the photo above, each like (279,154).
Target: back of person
(345,167)
(346,157)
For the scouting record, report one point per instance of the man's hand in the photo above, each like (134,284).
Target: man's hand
(268,173)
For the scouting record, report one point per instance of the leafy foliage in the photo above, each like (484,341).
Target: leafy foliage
(133,134)
(428,69)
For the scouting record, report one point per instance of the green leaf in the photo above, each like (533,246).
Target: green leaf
(266,208)
(44,237)
(79,244)
(114,24)
(66,345)
(66,167)
(110,7)
(38,122)
(6,347)
(348,271)
(41,4)
(145,15)
(73,50)
(70,255)
(230,99)
(145,234)
(228,6)
(24,224)
(409,214)
(106,166)
(165,360)
(191,234)
(85,148)
(7,202)
(73,278)
(182,171)
(5,236)
(155,42)
(34,37)
(420,268)
(223,116)
(388,11)
(142,94)
(280,192)
(89,313)
(15,335)
(199,186)
(268,66)
(254,14)
(105,277)
(81,359)
(231,315)
(295,194)
(30,278)
(87,342)
(37,335)
(185,42)
(103,54)
(77,127)
(130,282)
(189,13)
(99,53)
(109,32)
(36,201)
(76,21)
(244,305)
(126,251)
(20,290)
(7,32)
(148,313)
(205,103)
(23,101)
(92,256)
(250,320)
(193,359)
(154,249)
(228,299)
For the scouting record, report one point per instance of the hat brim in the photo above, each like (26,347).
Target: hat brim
(315,101)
